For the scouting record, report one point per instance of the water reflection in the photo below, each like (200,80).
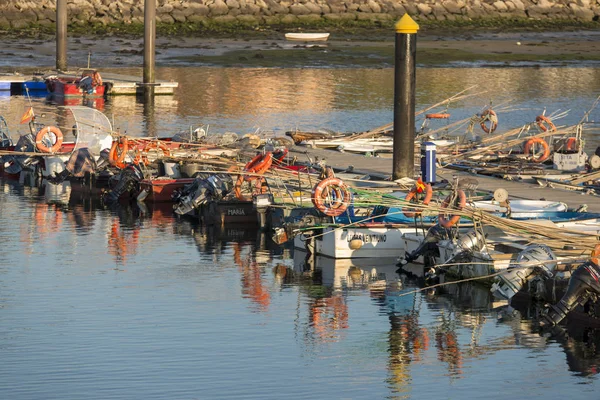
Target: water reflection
(226,284)
(355,99)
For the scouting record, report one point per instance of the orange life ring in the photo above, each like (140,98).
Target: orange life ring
(322,200)
(39,139)
(571,144)
(115,158)
(413,195)
(437,116)
(595,256)
(150,146)
(542,120)
(258,187)
(489,115)
(258,165)
(450,222)
(537,140)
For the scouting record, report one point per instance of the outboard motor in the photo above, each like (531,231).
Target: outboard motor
(464,246)
(583,286)
(14,164)
(129,180)
(428,246)
(534,260)
(205,188)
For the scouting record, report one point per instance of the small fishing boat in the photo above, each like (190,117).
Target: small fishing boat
(89,83)
(307,37)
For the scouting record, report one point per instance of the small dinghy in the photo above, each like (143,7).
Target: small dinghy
(307,37)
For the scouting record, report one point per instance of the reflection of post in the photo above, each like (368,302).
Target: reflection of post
(61,35)
(149,38)
(149,116)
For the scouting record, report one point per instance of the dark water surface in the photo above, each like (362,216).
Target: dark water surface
(102,304)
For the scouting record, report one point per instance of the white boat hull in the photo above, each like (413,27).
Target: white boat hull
(307,37)
(372,242)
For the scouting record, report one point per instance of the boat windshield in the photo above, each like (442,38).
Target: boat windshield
(93,129)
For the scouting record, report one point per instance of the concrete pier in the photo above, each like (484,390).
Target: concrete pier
(382,168)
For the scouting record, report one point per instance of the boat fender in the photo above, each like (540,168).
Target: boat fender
(489,115)
(355,244)
(452,219)
(529,146)
(419,187)
(437,116)
(542,120)
(46,134)
(331,196)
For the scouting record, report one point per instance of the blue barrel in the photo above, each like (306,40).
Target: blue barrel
(428,162)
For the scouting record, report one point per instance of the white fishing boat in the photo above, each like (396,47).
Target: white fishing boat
(307,37)
(397,235)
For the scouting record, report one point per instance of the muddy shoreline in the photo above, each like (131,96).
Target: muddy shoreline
(475,48)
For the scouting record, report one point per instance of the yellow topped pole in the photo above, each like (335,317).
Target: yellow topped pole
(406,25)
(404,98)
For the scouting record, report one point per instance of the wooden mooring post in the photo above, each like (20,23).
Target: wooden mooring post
(404,97)
(61,35)
(149,46)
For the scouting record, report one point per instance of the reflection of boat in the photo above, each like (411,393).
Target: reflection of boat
(307,37)
(93,102)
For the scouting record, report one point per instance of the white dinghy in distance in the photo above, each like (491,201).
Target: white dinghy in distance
(307,37)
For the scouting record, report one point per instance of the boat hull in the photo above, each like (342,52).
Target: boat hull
(368,241)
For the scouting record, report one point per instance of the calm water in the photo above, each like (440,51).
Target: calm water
(101,304)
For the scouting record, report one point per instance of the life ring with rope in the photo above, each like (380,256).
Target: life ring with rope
(151,147)
(490,116)
(258,165)
(413,197)
(451,220)
(45,134)
(529,145)
(259,187)
(542,120)
(329,205)
(117,153)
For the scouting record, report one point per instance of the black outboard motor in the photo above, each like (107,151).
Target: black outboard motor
(429,245)
(129,180)
(204,189)
(584,285)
